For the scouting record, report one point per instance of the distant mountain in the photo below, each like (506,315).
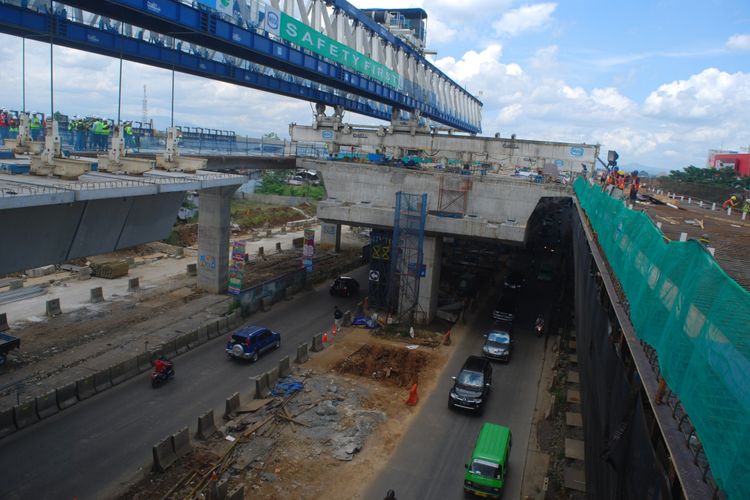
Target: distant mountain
(652,171)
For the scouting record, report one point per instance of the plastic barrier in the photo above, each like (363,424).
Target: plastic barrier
(206,425)
(261,386)
(273,376)
(181,442)
(7,423)
(164,455)
(46,405)
(317,343)
(25,414)
(102,380)
(53,308)
(124,371)
(302,355)
(284,367)
(96,295)
(231,405)
(66,396)
(85,388)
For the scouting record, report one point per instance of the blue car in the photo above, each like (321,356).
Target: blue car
(252,341)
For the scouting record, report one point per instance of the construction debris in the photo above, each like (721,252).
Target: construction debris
(110,269)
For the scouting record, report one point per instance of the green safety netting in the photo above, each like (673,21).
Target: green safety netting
(698,320)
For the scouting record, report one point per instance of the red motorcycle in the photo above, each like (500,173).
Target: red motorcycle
(163,371)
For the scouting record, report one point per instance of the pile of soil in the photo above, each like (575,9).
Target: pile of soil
(250,217)
(389,365)
(186,235)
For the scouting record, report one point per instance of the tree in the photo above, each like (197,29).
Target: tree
(271,135)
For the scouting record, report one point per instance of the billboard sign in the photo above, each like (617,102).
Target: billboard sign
(308,249)
(303,35)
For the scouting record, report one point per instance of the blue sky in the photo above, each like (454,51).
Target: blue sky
(662,82)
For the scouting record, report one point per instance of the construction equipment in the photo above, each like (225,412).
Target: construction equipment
(110,269)
(116,160)
(23,144)
(51,160)
(171,159)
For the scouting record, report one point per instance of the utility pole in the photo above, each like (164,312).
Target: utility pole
(144,108)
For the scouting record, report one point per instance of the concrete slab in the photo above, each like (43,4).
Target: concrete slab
(574,396)
(573,419)
(574,377)
(574,449)
(573,358)
(575,479)
(571,345)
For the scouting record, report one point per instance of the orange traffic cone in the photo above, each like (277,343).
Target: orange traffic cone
(413,397)
(333,330)
(325,337)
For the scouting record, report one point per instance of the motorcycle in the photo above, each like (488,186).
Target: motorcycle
(539,328)
(159,378)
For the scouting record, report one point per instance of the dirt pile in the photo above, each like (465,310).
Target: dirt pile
(389,365)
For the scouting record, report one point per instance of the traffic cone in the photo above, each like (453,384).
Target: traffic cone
(413,398)
(447,338)
(333,330)
(325,337)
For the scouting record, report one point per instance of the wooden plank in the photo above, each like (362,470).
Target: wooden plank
(254,405)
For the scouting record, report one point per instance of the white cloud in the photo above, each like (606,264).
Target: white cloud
(739,42)
(439,32)
(545,58)
(710,95)
(525,18)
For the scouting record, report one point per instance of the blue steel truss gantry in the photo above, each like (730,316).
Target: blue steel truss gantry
(191,38)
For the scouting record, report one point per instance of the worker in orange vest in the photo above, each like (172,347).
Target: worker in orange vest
(635,186)
(730,203)
(619,188)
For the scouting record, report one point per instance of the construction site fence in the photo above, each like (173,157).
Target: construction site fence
(696,318)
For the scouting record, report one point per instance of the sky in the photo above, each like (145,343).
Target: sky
(660,81)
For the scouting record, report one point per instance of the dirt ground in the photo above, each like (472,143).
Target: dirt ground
(344,423)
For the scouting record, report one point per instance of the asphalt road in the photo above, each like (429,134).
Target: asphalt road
(429,462)
(93,448)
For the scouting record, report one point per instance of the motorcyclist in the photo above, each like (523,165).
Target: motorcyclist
(163,365)
(539,324)
(390,495)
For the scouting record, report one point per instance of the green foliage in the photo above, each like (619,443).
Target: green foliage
(172,239)
(271,135)
(275,182)
(719,177)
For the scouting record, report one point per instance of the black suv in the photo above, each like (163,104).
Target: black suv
(472,385)
(345,286)
(505,310)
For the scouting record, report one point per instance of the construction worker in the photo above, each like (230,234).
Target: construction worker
(619,188)
(610,182)
(635,186)
(106,129)
(129,142)
(12,125)
(746,207)
(730,203)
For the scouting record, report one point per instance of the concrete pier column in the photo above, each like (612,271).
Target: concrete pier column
(432,256)
(330,236)
(213,238)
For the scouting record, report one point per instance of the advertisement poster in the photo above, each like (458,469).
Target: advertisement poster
(237,268)
(308,249)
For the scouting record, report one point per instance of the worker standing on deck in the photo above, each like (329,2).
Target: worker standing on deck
(730,203)
(635,186)
(3,124)
(619,188)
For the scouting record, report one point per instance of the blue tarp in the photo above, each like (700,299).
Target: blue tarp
(288,387)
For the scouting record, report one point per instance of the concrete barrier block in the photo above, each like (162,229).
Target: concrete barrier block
(4,322)
(134,284)
(25,414)
(192,339)
(288,293)
(164,455)
(269,233)
(231,405)
(96,295)
(261,386)
(284,367)
(212,329)
(124,371)
(317,343)
(7,423)
(223,325)
(266,303)
(181,442)
(278,247)
(84,273)
(235,319)
(261,252)
(219,489)
(66,396)
(206,425)
(53,308)
(102,380)
(192,270)
(168,349)
(273,377)
(302,355)
(144,362)
(201,335)
(181,344)
(85,388)
(238,494)
(46,405)
(346,320)
(15,284)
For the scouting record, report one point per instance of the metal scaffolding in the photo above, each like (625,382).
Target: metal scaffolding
(453,195)
(380,268)
(406,259)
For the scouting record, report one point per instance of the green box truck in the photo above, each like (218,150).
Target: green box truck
(488,465)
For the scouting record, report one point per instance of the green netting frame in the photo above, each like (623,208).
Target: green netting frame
(698,320)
